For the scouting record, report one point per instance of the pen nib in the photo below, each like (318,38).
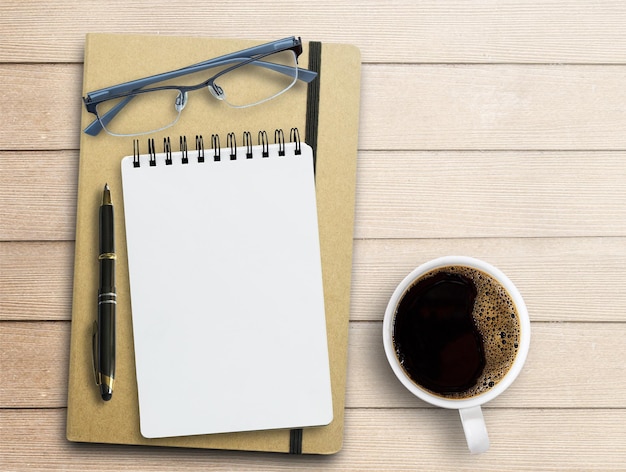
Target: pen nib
(106,195)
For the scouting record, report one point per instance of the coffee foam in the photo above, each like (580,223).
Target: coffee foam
(497,321)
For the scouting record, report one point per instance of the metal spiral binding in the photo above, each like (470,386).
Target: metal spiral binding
(247,142)
(279,138)
(215,144)
(152,152)
(167,149)
(263,142)
(136,153)
(183,149)
(231,142)
(294,137)
(200,147)
(231,145)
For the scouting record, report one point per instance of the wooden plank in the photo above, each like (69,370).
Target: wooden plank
(410,31)
(570,365)
(35,360)
(464,107)
(36,280)
(521,439)
(493,107)
(410,194)
(585,275)
(561,279)
(376,440)
(38,195)
(40,106)
(451,194)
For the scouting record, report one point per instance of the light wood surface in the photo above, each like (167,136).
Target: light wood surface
(489,128)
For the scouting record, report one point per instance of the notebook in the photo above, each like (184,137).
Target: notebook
(226,290)
(326,115)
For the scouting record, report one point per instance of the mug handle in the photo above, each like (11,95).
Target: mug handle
(475,429)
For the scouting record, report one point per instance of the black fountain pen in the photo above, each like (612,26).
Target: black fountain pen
(104,337)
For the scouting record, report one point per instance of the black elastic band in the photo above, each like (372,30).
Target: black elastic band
(313,98)
(295,441)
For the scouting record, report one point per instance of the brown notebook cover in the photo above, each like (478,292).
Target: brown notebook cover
(330,128)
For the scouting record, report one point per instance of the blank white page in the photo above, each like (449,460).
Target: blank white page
(226,293)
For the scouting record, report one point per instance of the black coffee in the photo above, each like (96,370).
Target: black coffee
(456,332)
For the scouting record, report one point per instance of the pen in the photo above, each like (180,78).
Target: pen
(104,349)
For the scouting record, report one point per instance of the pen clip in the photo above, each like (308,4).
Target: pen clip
(94,354)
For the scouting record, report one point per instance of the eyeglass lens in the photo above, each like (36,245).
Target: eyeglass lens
(258,81)
(143,113)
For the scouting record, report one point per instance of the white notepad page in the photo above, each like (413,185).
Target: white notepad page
(226,293)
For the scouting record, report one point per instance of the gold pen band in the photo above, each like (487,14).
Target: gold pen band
(104,380)
(107,255)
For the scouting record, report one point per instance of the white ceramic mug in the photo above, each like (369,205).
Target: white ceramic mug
(469,408)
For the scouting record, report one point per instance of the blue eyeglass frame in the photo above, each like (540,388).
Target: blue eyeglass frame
(245,56)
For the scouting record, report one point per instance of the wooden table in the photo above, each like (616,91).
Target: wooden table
(495,129)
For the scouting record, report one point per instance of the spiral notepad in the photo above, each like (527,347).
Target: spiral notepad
(226,286)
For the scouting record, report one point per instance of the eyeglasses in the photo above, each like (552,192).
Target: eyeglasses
(246,78)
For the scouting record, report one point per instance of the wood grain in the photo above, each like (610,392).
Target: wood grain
(376,440)
(477,194)
(491,128)
(586,275)
(458,31)
(35,360)
(38,195)
(403,106)
(486,107)
(570,365)
(36,280)
(416,194)
(40,106)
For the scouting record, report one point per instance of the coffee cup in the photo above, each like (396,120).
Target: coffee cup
(456,333)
